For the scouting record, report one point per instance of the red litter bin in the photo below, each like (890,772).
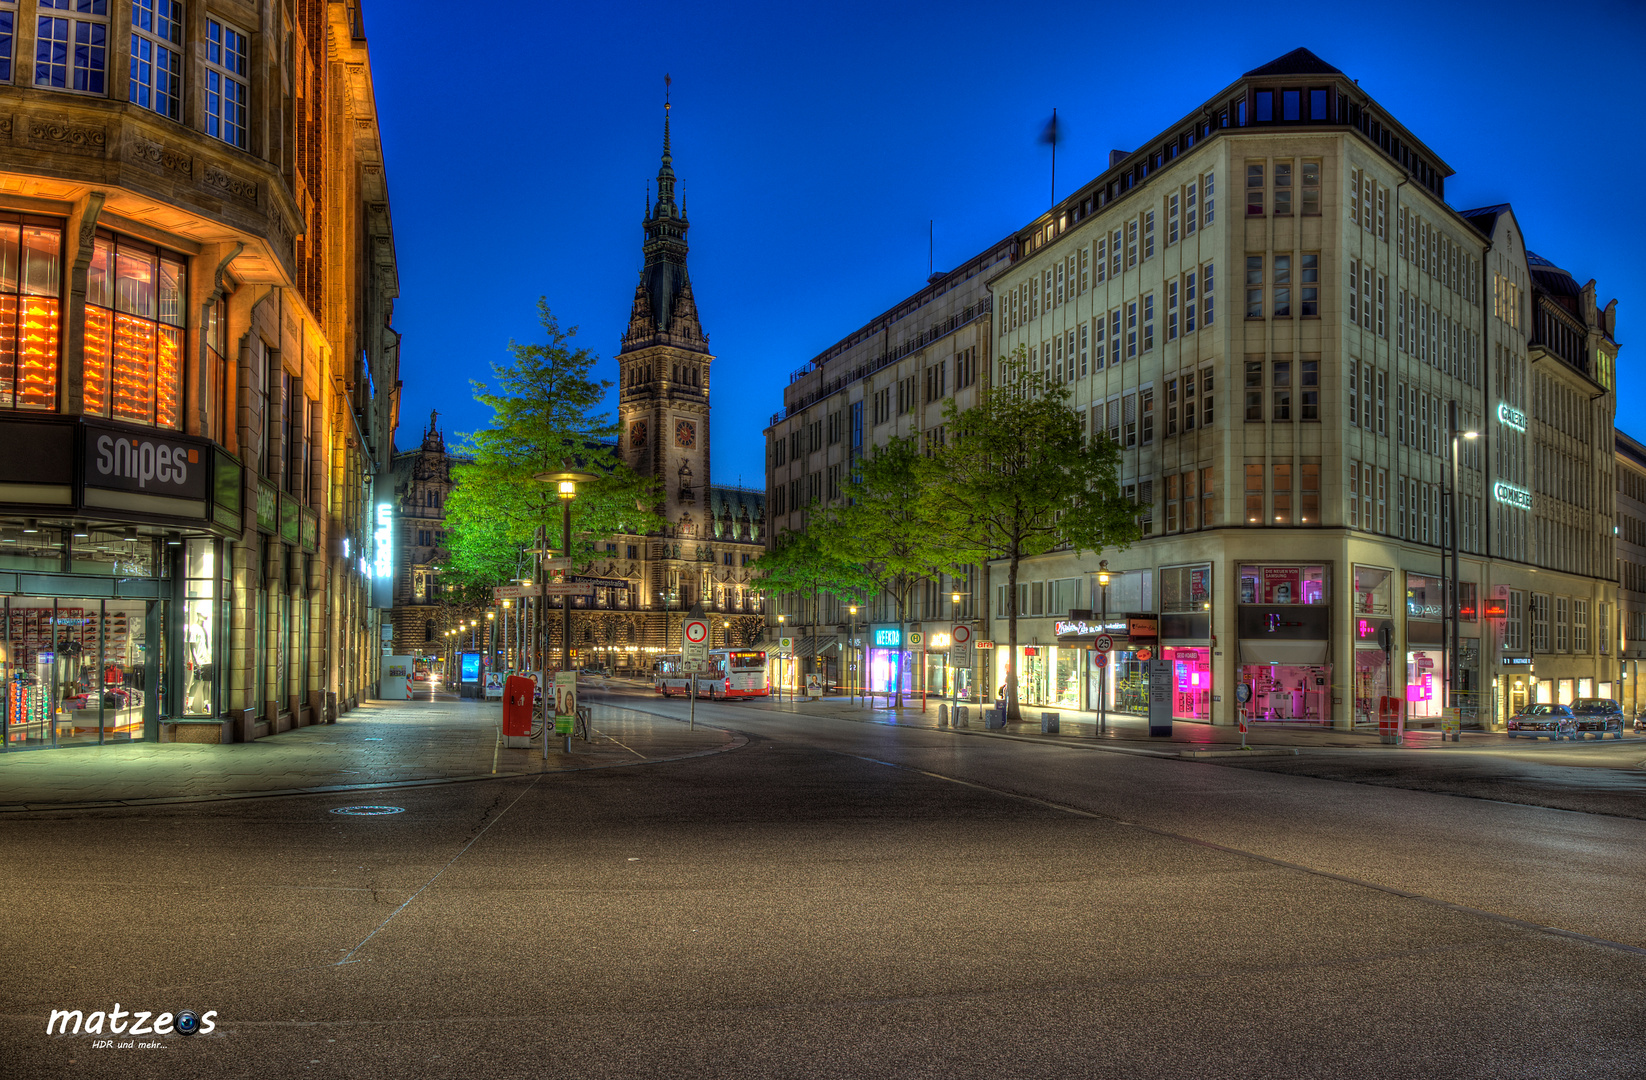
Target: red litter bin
(1388,720)
(517,705)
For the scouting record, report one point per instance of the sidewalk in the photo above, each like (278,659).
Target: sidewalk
(380,744)
(1130,734)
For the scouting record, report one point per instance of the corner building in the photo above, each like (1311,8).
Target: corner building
(1275,314)
(197,375)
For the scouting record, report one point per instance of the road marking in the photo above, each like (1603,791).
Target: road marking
(1405,894)
(349,957)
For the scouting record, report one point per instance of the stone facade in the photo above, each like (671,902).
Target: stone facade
(285,363)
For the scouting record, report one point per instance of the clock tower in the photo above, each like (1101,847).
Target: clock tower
(663,366)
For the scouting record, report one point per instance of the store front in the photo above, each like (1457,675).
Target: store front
(1426,669)
(1284,628)
(1186,638)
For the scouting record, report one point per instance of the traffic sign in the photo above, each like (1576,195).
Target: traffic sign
(785,644)
(916,637)
(558,588)
(1104,643)
(1101,657)
(515,592)
(695,632)
(961,634)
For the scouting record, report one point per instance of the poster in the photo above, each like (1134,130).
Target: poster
(1280,585)
(565,693)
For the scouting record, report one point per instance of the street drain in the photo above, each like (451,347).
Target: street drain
(369,811)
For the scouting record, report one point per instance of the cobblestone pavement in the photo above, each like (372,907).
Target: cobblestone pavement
(377,744)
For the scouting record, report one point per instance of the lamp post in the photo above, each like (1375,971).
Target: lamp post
(954,669)
(1103,674)
(780,677)
(857,650)
(565,482)
(1453,673)
(491,645)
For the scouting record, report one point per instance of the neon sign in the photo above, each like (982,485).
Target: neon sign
(1510,495)
(888,638)
(1511,417)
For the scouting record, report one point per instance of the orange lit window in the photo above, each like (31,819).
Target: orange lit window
(31,272)
(134,340)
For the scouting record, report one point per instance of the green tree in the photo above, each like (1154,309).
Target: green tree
(1018,478)
(883,524)
(545,418)
(798,564)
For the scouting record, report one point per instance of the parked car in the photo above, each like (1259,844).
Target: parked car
(1554,722)
(1599,715)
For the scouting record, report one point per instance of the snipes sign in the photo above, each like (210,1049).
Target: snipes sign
(153,464)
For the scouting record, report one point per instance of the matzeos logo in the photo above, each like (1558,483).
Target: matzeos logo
(143,460)
(130,1023)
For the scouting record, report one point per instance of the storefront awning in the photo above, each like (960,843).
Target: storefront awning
(816,646)
(1293,653)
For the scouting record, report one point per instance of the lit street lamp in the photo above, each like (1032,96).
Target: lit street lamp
(1103,628)
(565,482)
(1453,675)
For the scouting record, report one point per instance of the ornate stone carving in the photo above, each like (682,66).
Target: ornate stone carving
(69,136)
(152,153)
(5,125)
(240,189)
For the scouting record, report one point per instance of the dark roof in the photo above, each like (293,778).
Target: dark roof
(1484,218)
(1534,259)
(1628,444)
(1297,62)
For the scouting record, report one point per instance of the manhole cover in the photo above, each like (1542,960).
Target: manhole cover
(369,811)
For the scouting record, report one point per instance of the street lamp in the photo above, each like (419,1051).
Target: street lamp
(954,669)
(1103,628)
(857,650)
(1452,673)
(780,620)
(565,483)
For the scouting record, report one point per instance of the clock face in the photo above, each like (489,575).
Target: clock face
(685,434)
(637,435)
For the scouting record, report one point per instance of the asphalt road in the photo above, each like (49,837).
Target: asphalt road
(841,899)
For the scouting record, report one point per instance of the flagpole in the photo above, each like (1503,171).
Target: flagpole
(1054,156)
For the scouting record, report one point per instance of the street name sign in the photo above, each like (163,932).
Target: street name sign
(599,582)
(558,588)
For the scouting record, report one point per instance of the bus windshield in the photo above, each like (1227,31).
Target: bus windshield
(748,661)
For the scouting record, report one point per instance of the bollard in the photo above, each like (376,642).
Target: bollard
(1048,723)
(942,716)
(960,717)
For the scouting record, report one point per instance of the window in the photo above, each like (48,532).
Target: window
(1189,302)
(1254,287)
(1254,390)
(1563,623)
(1131,244)
(1382,407)
(1171,310)
(1354,291)
(1208,189)
(1148,322)
(1283,188)
(1309,493)
(1114,253)
(1354,196)
(156,63)
(1311,286)
(1100,259)
(1206,283)
(1206,496)
(1311,183)
(8,37)
(1263,106)
(1146,405)
(1254,493)
(215,374)
(1540,622)
(1309,386)
(1283,287)
(1173,489)
(71,51)
(31,271)
(1354,394)
(1099,346)
(1206,398)
(135,297)
(226,83)
(1382,303)
(1382,213)
(1131,420)
(1254,190)
(1131,330)
(1281,472)
(1191,210)
(1282,387)
(1174,204)
(1148,234)
(1580,625)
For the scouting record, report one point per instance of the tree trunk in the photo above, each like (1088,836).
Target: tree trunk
(1012,710)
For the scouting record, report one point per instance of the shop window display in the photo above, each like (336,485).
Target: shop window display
(1371,683)
(1372,590)
(1191,683)
(134,332)
(199,635)
(1283,692)
(41,551)
(76,671)
(31,276)
(1281,585)
(1425,684)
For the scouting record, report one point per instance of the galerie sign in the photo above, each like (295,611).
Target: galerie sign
(151,464)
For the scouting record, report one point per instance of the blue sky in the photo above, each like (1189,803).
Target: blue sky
(814,144)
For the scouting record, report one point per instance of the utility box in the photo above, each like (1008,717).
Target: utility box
(1048,723)
(396,681)
(519,693)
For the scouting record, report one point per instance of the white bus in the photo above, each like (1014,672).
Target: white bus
(733,673)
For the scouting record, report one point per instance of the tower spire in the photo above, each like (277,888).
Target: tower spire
(664,308)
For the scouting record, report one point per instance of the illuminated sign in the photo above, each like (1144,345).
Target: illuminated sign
(1511,417)
(1082,628)
(1510,495)
(1497,609)
(888,637)
(382,564)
